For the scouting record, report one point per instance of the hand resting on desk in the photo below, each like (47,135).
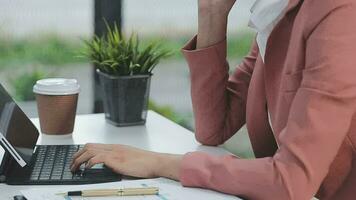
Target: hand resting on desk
(128,160)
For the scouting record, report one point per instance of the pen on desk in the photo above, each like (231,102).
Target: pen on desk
(113,192)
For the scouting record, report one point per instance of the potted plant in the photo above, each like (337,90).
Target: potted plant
(125,70)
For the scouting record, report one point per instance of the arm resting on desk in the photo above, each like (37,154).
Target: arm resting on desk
(128,160)
(321,115)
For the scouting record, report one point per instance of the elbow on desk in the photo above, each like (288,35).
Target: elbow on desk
(210,140)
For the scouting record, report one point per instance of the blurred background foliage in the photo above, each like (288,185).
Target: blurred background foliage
(23,83)
(169,113)
(52,50)
(47,50)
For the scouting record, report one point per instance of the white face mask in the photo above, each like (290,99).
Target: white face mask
(265,14)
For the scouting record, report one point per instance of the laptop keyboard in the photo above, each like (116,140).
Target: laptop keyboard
(53,163)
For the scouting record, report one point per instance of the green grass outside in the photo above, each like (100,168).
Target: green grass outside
(46,51)
(169,113)
(239,45)
(56,51)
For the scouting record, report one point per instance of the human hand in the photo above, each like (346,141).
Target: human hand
(212,21)
(216,6)
(127,160)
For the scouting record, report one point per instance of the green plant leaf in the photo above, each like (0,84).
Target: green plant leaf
(116,55)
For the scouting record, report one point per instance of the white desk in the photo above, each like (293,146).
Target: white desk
(159,134)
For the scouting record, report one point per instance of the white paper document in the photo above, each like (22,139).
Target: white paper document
(168,190)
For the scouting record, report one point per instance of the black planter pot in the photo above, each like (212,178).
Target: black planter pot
(125,98)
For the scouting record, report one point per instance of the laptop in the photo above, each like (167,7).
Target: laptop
(25,163)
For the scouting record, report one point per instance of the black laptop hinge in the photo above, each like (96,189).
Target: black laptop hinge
(8,163)
(4,168)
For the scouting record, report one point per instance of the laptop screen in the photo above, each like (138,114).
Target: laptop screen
(16,127)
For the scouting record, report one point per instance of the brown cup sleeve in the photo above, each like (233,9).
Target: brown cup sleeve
(57,113)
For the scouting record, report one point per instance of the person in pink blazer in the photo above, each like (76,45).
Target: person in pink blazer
(298,100)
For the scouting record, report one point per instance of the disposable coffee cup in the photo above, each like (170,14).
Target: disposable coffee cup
(57,104)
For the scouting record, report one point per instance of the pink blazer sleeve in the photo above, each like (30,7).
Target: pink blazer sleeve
(219,102)
(320,117)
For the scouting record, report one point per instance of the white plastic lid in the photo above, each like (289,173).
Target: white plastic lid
(56,86)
